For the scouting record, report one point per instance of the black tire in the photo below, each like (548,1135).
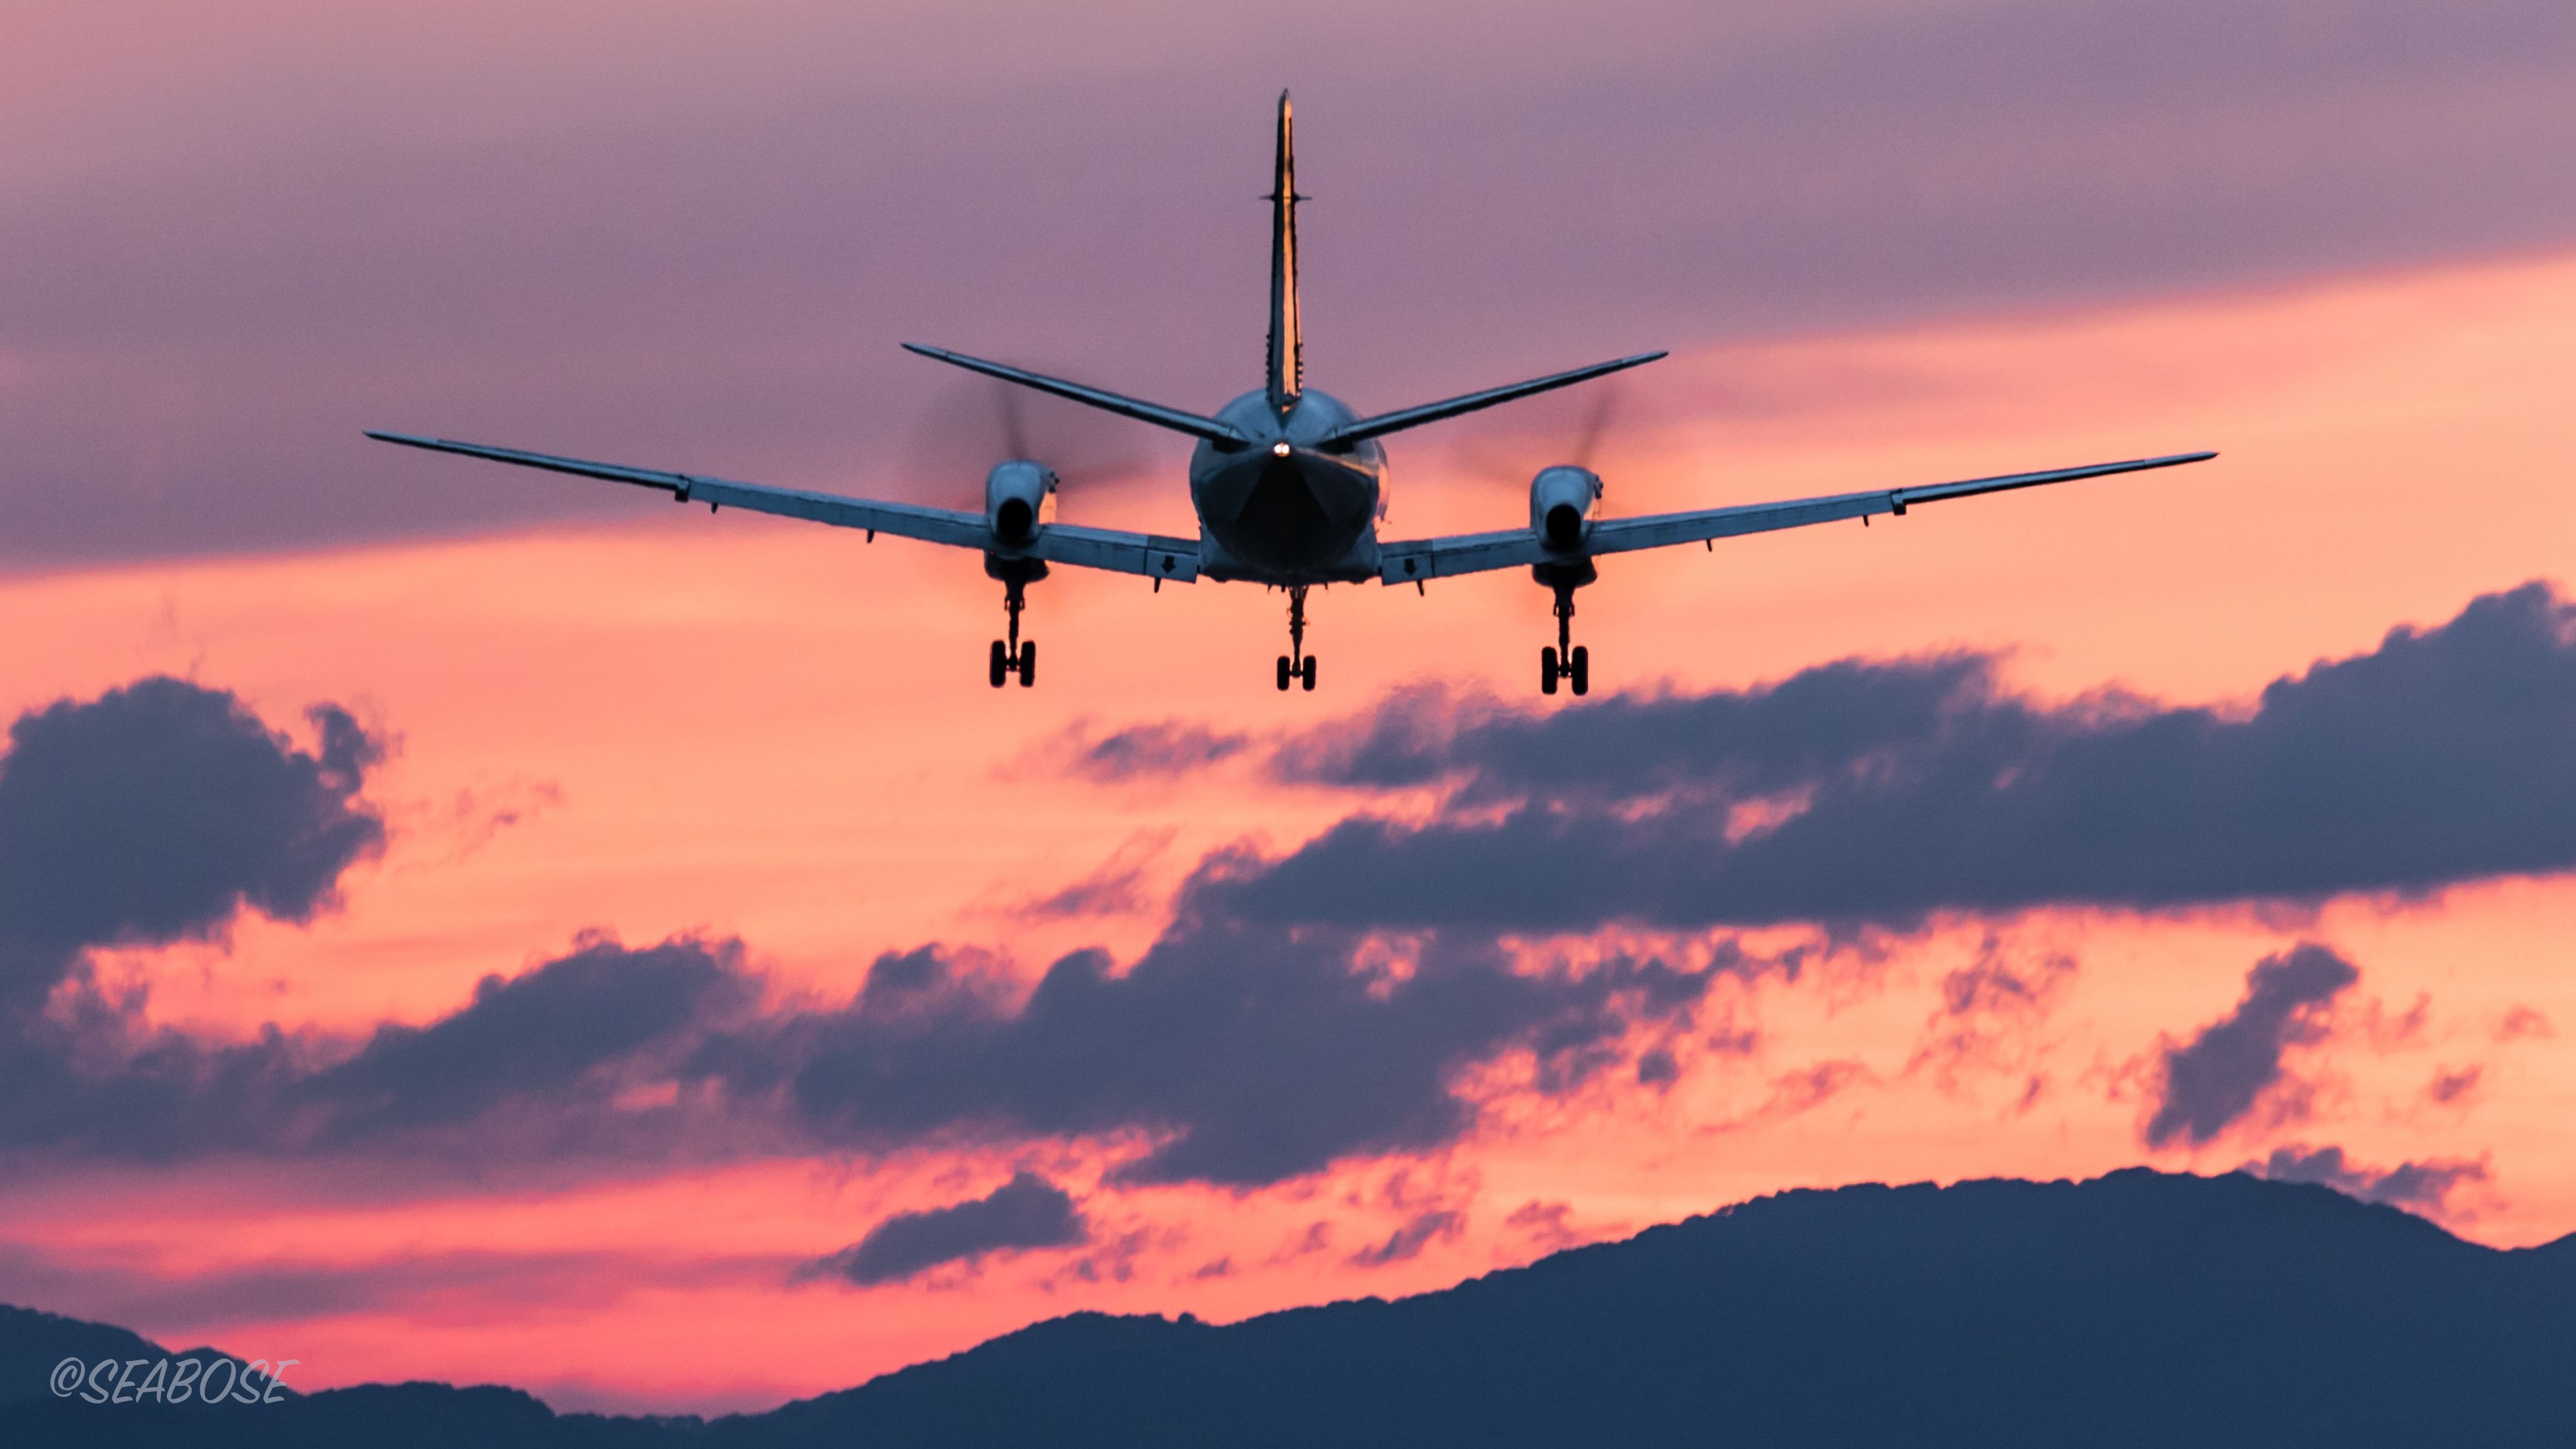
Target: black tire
(1580,668)
(1283,673)
(1029,664)
(1001,664)
(1547,670)
(1306,676)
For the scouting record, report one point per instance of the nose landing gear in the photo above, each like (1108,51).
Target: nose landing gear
(1565,659)
(1297,664)
(1015,657)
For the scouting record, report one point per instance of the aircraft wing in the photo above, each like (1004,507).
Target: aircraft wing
(1418,560)
(1112,549)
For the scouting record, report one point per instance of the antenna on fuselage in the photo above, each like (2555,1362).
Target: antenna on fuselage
(1286,363)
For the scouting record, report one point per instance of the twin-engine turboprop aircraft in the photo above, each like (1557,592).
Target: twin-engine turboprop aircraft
(1290,485)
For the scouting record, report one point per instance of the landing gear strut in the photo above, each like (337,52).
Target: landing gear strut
(1297,664)
(1014,657)
(1566,660)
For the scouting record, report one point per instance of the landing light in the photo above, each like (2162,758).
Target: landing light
(1279,450)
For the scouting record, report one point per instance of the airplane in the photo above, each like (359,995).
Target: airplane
(1289,484)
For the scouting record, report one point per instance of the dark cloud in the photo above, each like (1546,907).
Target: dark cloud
(2216,1079)
(1246,1056)
(2523,1021)
(2421,1186)
(698,250)
(1253,1054)
(1882,793)
(1407,1242)
(163,811)
(1989,1008)
(1026,1212)
(539,1035)
(1144,751)
(160,811)
(1317,1238)
(1746,745)
(1804,1091)
(1545,1223)
(1116,887)
(527,1074)
(2451,1088)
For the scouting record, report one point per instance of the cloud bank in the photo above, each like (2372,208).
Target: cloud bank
(1884,793)
(1247,1054)
(1230,1052)
(1331,1003)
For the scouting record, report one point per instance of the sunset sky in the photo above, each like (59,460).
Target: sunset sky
(468,924)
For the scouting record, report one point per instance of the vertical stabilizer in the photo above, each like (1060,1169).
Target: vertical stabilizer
(1286,362)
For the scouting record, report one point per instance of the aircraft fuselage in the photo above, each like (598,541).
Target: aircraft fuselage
(1282,510)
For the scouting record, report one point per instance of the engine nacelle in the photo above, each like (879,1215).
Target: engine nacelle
(1561,502)
(1019,499)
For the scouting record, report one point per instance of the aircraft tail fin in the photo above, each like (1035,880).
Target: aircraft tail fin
(1286,360)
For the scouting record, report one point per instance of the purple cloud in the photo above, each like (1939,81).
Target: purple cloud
(2215,1079)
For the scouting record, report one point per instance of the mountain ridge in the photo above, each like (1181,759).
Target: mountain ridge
(2134,1308)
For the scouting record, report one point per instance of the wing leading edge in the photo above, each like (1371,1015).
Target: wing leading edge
(1419,560)
(1113,550)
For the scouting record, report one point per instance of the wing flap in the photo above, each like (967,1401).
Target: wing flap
(1116,551)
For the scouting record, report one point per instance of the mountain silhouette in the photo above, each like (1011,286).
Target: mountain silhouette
(2139,1308)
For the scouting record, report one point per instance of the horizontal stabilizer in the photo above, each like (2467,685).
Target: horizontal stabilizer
(1224,435)
(1353,432)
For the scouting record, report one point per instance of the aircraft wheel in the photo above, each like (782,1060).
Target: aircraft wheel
(1029,664)
(1001,664)
(1580,668)
(1547,670)
(1283,672)
(1306,675)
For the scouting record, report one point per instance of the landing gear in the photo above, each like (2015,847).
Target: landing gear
(1565,659)
(1297,664)
(1013,657)
(1575,669)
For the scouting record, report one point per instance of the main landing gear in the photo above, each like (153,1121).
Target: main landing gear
(1565,660)
(1297,664)
(1016,657)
